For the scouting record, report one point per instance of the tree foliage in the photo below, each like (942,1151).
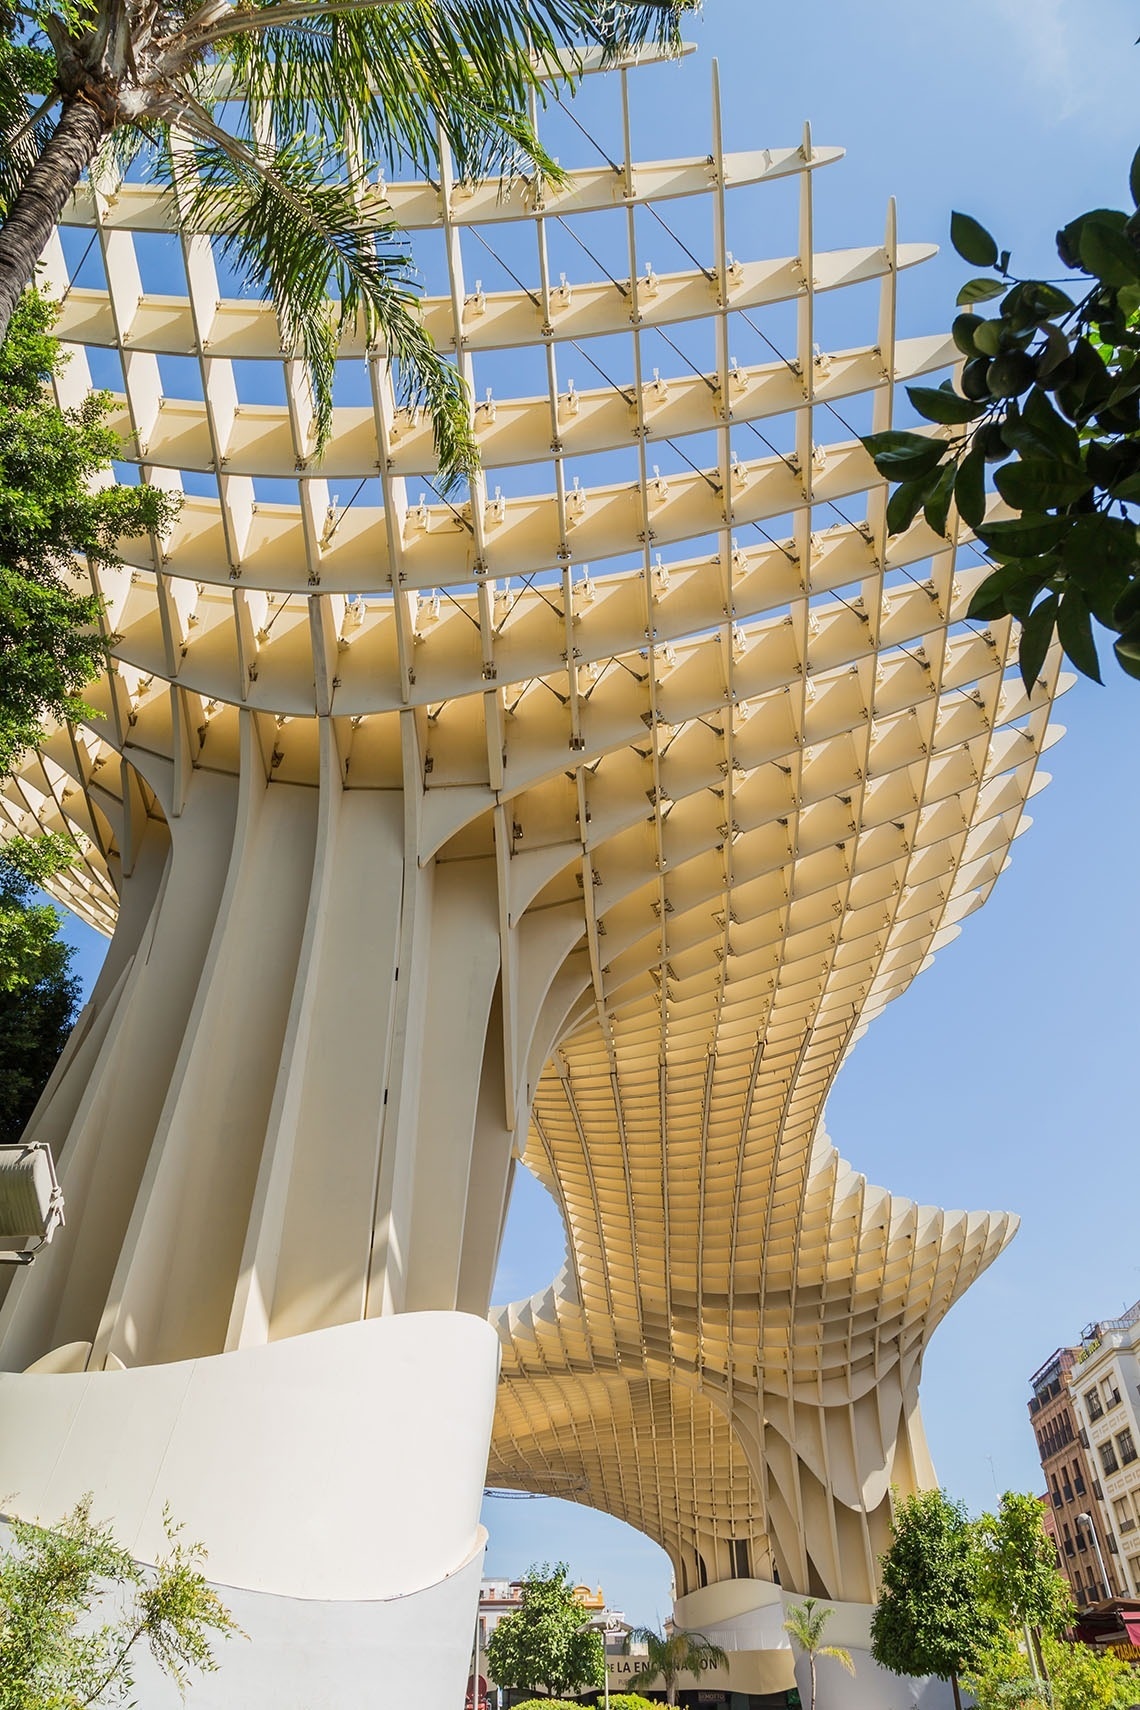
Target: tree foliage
(1079,1678)
(1049,395)
(55,1651)
(932,1617)
(1020,1578)
(670,1655)
(38,992)
(806,1624)
(275,121)
(50,513)
(542,1648)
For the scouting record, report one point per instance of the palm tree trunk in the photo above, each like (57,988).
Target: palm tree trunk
(70,150)
(811,1678)
(957,1694)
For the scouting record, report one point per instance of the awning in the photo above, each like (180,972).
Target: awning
(1130,1620)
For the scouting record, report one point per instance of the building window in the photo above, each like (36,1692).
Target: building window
(1111,1393)
(1092,1403)
(741,1566)
(1108,1458)
(1126,1446)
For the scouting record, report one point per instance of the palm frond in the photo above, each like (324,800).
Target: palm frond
(301,233)
(839,1654)
(401,74)
(393,81)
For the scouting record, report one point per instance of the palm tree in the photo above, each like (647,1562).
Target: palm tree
(273,121)
(671,1655)
(806,1622)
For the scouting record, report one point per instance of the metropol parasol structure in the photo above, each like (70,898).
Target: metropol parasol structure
(581,823)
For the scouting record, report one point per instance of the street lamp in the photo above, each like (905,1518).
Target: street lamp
(603,1624)
(1086,1521)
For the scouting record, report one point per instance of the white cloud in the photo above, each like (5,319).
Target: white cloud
(1076,54)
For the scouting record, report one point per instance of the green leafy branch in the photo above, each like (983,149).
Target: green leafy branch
(1049,394)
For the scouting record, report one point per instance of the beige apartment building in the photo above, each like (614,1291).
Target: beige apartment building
(1104,1382)
(1072,1486)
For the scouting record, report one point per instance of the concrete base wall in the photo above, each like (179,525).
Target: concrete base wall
(746,1618)
(335,1479)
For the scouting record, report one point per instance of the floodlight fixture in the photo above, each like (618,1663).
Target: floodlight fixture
(31,1201)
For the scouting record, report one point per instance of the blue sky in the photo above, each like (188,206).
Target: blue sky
(1003,1078)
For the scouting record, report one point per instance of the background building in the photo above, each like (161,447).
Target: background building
(1071,1484)
(1085,1412)
(1104,1381)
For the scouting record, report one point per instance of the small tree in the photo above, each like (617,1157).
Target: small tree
(1020,1578)
(38,992)
(672,1655)
(53,1653)
(932,1617)
(806,1622)
(542,1648)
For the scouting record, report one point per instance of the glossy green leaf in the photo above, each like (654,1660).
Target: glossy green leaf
(905,456)
(1054,434)
(979,291)
(1074,628)
(904,504)
(1036,634)
(987,337)
(1008,591)
(1101,553)
(1057,351)
(937,507)
(1047,301)
(1108,254)
(1025,536)
(970,488)
(1041,484)
(895,440)
(943,405)
(972,241)
(1069,237)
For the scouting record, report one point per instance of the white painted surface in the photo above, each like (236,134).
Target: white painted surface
(300,1654)
(345,1464)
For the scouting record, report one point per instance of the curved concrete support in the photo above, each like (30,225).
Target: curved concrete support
(336,1478)
(343,1464)
(746,1619)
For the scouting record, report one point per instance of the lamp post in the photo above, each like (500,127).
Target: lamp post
(603,1624)
(1086,1520)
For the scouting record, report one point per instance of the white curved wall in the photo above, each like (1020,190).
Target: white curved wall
(346,1464)
(299,1654)
(746,1618)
